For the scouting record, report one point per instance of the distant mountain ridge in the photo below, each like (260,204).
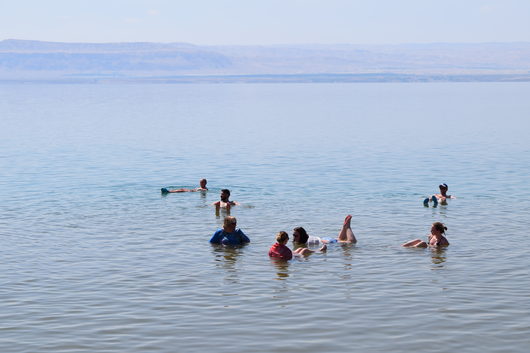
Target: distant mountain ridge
(56,61)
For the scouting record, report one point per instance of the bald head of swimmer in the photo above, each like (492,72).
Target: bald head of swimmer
(229,224)
(443,189)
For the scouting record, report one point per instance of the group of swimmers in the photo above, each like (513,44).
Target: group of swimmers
(229,234)
(224,202)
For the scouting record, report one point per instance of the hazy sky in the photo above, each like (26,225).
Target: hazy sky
(267,21)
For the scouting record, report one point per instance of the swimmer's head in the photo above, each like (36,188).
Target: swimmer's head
(300,235)
(230,222)
(282,237)
(225,195)
(439,227)
(443,186)
(203,183)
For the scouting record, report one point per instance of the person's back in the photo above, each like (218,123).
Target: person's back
(279,249)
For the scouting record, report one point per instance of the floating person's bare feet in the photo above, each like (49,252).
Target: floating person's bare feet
(434,201)
(346,234)
(324,248)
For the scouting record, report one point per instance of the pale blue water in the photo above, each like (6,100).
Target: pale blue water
(95,259)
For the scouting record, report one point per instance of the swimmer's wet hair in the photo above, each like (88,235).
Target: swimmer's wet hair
(439,226)
(443,185)
(303,235)
(282,237)
(229,220)
(225,191)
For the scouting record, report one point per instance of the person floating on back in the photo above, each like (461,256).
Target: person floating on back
(229,235)
(202,187)
(346,235)
(280,249)
(441,197)
(435,239)
(225,202)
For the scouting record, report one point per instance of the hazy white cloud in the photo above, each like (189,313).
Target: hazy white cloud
(153,12)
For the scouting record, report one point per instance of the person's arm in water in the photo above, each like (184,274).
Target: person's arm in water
(244,238)
(440,196)
(217,237)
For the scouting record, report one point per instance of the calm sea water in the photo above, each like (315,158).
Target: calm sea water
(95,259)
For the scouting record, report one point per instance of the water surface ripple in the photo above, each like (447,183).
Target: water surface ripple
(95,259)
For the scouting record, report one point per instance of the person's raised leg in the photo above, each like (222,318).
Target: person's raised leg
(434,201)
(302,251)
(413,243)
(346,234)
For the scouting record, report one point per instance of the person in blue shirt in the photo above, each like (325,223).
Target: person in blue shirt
(229,235)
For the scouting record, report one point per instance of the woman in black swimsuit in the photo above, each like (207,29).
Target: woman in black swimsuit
(435,239)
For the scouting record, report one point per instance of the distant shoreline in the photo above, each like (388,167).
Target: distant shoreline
(293,78)
(54,62)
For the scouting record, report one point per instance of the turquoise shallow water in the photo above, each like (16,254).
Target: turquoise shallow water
(94,258)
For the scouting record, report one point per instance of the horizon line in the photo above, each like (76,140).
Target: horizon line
(265,45)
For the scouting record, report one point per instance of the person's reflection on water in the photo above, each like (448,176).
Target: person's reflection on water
(282,268)
(221,212)
(438,257)
(347,250)
(225,257)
